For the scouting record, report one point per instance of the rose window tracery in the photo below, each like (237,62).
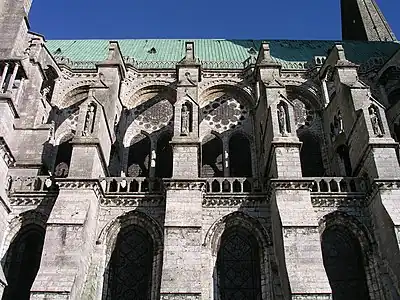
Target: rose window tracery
(224,113)
(303,115)
(154,114)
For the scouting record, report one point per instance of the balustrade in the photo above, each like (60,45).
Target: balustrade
(131,185)
(339,185)
(234,185)
(28,184)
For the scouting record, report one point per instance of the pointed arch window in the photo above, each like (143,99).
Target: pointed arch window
(164,156)
(131,266)
(22,262)
(63,159)
(238,266)
(212,157)
(139,157)
(343,261)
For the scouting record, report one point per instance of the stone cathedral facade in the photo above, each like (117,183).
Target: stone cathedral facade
(200,169)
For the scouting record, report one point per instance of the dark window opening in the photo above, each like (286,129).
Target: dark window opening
(131,266)
(139,157)
(63,159)
(238,266)
(344,265)
(311,156)
(240,156)
(212,157)
(164,157)
(22,263)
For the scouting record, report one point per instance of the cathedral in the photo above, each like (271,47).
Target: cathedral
(204,169)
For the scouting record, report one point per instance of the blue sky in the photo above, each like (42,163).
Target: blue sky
(256,19)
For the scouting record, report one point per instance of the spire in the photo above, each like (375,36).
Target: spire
(363,20)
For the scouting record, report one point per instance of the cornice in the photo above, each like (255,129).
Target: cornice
(233,200)
(338,200)
(291,184)
(80,184)
(185,184)
(133,201)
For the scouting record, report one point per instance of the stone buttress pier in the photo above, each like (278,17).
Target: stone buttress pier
(294,223)
(181,273)
(71,227)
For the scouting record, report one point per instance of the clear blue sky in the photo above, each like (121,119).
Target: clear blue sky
(256,19)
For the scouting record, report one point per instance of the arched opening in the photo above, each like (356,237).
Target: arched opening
(164,156)
(63,159)
(48,84)
(238,266)
(139,156)
(345,162)
(344,265)
(22,262)
(131,265)
(310,155)
(240,156)
(212,157)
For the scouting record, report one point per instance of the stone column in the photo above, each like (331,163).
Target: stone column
(3,76)
(294,224)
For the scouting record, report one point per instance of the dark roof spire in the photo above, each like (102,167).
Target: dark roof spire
(363,20)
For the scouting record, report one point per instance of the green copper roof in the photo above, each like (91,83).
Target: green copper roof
(214,53)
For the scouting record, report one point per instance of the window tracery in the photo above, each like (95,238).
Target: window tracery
(131,266)
(238,266)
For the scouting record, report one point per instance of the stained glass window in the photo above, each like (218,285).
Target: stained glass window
(131,264)
(344,265)
(238,267)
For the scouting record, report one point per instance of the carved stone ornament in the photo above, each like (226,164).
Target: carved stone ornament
(289,184)
(75,184)
(337,202)
(184,184)
(153,201)
(231,201)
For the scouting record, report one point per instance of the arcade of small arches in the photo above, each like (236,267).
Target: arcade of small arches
(241,247)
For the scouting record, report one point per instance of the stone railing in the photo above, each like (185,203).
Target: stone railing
(339,185)
(228,185)
(26,184)
(116,185)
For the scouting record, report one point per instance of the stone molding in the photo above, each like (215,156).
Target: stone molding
(234,200)
(185,184)
(79,183)
(291,184)
(5,153)
(133,201)
(168,296)
(335,200)
(31,199)
(312,297)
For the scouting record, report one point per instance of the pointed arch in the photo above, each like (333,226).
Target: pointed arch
(349,258)
(164,159)
(139,156)
(212,164)
(228,231)
(22,259)
(141,270)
